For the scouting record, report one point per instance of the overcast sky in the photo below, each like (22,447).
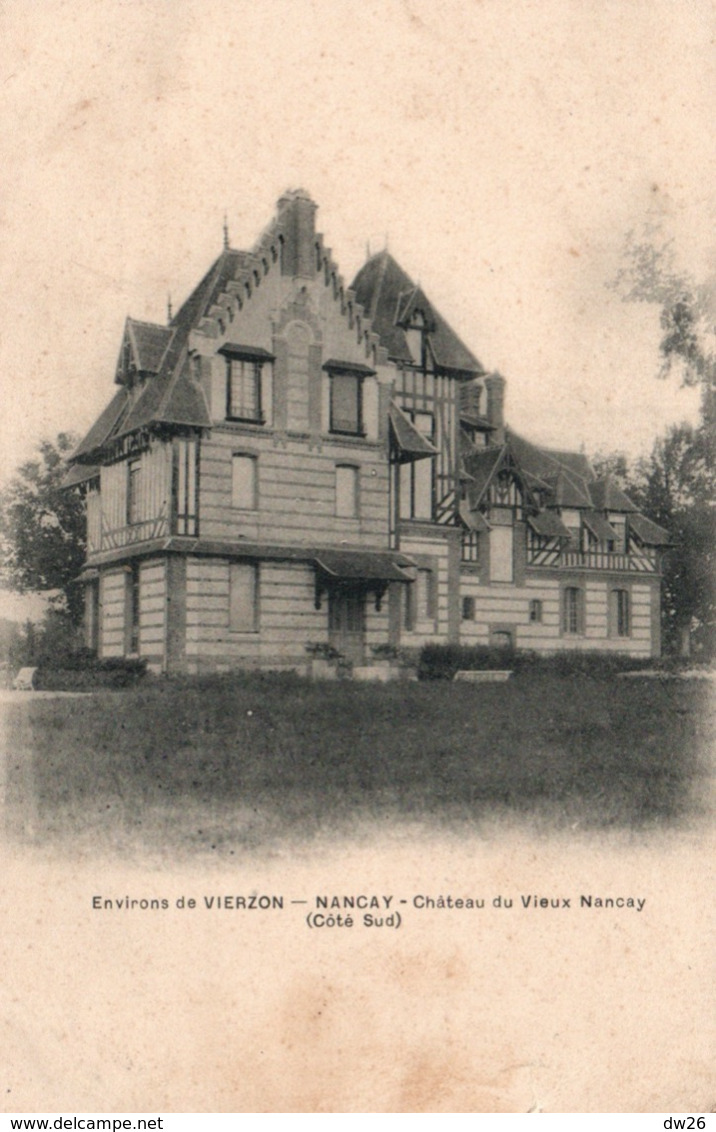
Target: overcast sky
(505,149)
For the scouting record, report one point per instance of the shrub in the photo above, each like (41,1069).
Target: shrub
(441,662)
(321,650)
(81,671)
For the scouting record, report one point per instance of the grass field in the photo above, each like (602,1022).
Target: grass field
(235,762)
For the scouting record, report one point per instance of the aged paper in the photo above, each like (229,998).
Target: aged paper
(129,129)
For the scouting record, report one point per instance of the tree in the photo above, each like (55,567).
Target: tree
(676,484)
(42,528)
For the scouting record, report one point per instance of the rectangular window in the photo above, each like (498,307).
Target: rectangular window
(185,484)
(134,479)
(468,609)
(619,525)
(243,597)
(244,482)
(347,403)
(346,491)
(416,478)
(536,610)
(133,609)
(572,613)
(620,613)
(243,390)
(92,615)
(501,554)
(409,607)
(426,595)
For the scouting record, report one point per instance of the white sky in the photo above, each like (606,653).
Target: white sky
(505,146)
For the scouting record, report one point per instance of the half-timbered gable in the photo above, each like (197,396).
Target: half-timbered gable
(294,463)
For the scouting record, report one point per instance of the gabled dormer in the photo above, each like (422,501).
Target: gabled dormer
(144,345)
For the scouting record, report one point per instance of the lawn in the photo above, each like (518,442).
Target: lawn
(231,762)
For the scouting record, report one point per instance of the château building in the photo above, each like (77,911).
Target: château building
(291,461)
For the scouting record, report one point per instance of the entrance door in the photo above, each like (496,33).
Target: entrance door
(346,623)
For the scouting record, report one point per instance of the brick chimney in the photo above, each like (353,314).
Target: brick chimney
(495,386)
(297,222)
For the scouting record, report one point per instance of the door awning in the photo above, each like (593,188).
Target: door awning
(363,566)
(409,444)
(359,569)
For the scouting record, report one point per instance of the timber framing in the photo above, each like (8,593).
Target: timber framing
(358,487)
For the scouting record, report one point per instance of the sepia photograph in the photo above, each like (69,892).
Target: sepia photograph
(357,548)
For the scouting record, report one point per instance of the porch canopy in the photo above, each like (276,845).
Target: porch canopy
(369,571)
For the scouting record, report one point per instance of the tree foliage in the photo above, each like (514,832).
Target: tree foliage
(676,484)
(42,528)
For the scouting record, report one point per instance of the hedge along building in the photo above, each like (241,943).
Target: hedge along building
(290,461)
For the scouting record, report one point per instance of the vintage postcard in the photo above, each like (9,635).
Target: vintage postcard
(356,504)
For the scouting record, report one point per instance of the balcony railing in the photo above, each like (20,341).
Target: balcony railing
(641,561)
(158,527)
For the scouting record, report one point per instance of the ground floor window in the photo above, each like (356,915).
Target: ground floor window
(468,609)
(420,599)
(620,613)
(133,608)
(572,611)
(536,610)
(92,615)
(501,638)
(243,597)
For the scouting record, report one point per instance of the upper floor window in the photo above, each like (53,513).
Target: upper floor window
(501,554)
(416,478)
(619,524)
(243,390)
(243,481)
(245,379)
(185,486)
(134,479)
(347,491)
(347,403)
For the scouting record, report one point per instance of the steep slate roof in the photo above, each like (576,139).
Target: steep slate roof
(390,298)
(648,532)
(104,425)
(606,496)
(149,341)
(170,397)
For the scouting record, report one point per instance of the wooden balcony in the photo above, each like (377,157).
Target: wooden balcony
(128,535)
(638,561)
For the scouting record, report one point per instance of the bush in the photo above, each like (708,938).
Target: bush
(81,671)
(441,662)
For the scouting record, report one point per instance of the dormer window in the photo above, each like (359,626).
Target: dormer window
(244,383)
